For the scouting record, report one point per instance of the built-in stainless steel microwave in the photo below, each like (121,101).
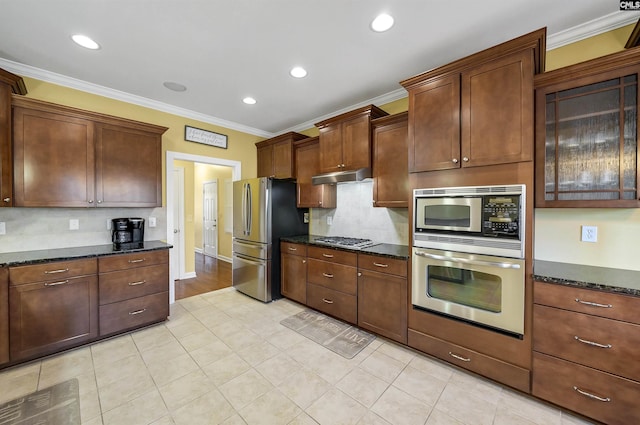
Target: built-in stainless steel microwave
(476,219)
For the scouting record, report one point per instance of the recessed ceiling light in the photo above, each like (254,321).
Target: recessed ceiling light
(382,22)
(249,101)
(174,86)
(85,41)
(298,72)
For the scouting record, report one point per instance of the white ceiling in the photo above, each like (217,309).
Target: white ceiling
(226,50)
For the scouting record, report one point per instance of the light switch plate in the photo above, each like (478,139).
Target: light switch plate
(152,222)
(3,228)
(74,224)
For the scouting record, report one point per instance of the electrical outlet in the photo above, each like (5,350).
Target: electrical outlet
(589,234)
(108,224)
(3,228)
(152,222)
(74,224)
(329,220)
(305,217)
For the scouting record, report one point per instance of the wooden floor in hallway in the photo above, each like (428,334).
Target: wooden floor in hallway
(211,274)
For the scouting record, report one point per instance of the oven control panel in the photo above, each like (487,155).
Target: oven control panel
(501,215)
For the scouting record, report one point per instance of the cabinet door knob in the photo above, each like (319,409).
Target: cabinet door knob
(465,159)
(7,200)
(319,202)
(304,261)
(99,202)
(91,201)
(454,160)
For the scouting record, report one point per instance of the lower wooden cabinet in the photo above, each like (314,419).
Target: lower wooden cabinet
(133,313)
(382,296)
(334,303)
(49,315)
(293,284)
(4,315)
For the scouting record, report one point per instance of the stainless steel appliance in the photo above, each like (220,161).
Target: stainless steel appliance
(485,290)
(345,242)
(473,219)
(127,233)
(264,210)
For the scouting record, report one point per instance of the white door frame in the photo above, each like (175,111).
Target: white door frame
(236,173)
(178,223)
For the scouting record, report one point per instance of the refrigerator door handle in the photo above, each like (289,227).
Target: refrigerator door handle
(250,261)
(250,212)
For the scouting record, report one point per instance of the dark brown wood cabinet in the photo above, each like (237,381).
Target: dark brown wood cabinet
(307,153)
(276,156)
(52,306)
(9,83)
(585,351)
(345,140)
(67,157)
(382,296)
(586,134)
(390,161)
(293,284)
(134,290)
(476,111)
(4,315)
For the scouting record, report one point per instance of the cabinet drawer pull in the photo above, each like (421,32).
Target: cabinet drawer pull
(327,301)
(595,397)
(327,255)
(133,313)
(56,271)
(455,356)
(293,249)
(327,275)
(595,344)
(592,304)
(137,261)
(381,265)
(140,282)
(62,282)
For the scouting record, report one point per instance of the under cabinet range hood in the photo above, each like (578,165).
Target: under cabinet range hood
(342,176)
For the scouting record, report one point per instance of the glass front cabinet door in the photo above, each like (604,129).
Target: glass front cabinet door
(586,134)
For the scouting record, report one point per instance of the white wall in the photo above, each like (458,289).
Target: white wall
(30,229)
(356,217)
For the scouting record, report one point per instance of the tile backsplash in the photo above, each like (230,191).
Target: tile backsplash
(30,229)
(356,217)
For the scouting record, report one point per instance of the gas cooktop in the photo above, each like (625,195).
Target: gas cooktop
(341,241)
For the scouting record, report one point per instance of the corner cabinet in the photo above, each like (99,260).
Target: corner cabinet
(9,83)
(476,111)
(345,140)
(307,153)
(390,161)
(586,134)
(276,157)
(67,157)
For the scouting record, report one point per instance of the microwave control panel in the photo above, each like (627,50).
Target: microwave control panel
(501,215)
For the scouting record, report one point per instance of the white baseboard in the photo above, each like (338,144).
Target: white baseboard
(188,275)
(225,259)
(198,250)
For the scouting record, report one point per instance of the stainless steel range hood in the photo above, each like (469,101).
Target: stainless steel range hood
(342,176)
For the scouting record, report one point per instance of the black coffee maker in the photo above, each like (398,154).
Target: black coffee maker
(127,233)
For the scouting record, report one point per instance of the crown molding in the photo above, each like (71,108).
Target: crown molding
(588,29)
(62,80)
(579,32)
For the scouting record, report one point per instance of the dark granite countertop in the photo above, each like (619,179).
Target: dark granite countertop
(61,254)
(591,277)
(384,249)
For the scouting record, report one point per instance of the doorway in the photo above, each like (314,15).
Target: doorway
(171,156)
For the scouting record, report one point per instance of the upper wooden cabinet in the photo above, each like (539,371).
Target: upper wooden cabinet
(9,83)
(345,140)
(390,161)
(478,110)
(307,153)
(67,157)
(586,134)
(276,156)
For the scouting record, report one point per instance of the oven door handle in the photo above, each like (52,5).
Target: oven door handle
(504,265)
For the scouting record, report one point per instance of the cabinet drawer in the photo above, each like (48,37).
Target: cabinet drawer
(293,249)
(127,284)
(598,303)
(573,336)
(332,302)
(130,261)
(575,387)
(53,271)
(133,313)
(334,276)
(382,264)
(333,255)
(490,367)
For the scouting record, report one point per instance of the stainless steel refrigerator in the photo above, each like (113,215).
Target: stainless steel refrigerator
(264,210)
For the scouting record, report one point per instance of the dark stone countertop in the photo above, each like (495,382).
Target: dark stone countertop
(60,254)
(384,249)
(591,277)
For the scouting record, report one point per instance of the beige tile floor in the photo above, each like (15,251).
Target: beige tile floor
(224,358)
